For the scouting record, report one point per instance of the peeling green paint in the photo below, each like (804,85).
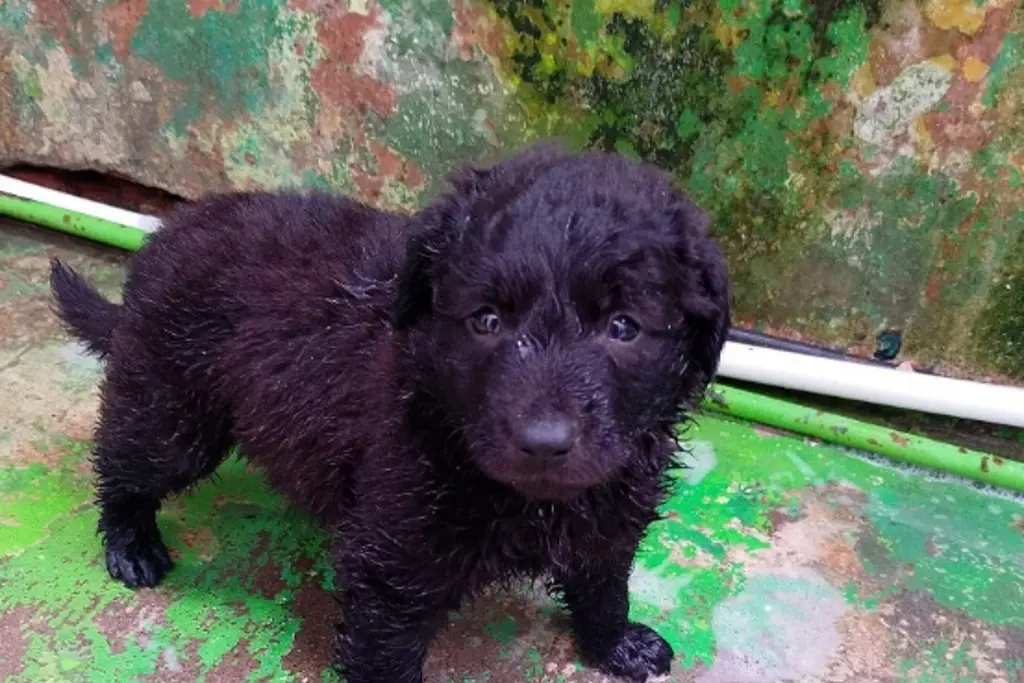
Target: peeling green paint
(773,114)
(219,55)
(1008,68)
(243,560)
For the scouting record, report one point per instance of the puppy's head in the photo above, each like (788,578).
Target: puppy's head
(563,310)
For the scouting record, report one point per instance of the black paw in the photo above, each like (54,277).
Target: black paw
(140,561)
(640,654)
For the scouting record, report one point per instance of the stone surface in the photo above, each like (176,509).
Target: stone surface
(863,159)
(779,559)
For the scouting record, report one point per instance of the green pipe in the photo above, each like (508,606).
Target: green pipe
(96,229)
(864,436)
(745,405)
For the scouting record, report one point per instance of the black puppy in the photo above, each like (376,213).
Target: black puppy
(483,392)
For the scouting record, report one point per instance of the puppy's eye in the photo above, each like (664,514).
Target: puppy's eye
(484,322)
(623,329)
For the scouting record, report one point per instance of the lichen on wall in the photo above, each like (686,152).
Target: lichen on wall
(862,159)
(374,99)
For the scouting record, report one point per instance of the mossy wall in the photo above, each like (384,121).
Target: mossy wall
(862,159)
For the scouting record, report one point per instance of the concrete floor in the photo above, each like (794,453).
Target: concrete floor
(780,560)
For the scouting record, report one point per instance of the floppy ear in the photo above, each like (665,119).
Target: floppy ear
(443,222)
(707,294)
(706,347)
(436,228)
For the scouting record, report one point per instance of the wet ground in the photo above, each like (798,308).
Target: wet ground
(780,560)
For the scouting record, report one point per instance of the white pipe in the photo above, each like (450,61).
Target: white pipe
(69,202)
(842,379)
(874,384)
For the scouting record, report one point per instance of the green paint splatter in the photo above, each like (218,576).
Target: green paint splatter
(14,15)
(212,601)
(1008,68)
(242,559)
(223,54)
(29,498)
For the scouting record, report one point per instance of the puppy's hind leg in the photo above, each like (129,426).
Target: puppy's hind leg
(149,445)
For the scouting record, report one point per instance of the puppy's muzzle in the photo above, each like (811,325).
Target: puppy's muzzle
(549,438)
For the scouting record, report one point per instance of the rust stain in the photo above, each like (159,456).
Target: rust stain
(964,125)
(123,19)
(997,461)
(54,15)
(959,126)
(126,620)
(986,45)
(369,185)
(236,665)
(865,652)
(14,624)
(842,560)
(475,29)
(203,541)
(336,79)
(311,6)
(206,165)
(312,645)
(198,8)
(415,178)
(7,114)
(933,289)
(393,166)
(898,439)
(389,162)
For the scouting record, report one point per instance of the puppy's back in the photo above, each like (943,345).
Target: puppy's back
(271,312)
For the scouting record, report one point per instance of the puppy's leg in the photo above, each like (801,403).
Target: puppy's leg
(380,643)
(392,606)
(149,444)
(598,602)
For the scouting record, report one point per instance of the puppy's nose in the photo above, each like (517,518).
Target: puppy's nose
(547,437)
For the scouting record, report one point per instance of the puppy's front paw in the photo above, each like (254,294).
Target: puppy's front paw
(141,562)
(639,655)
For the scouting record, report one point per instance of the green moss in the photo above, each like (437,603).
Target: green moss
(728,96)
(1001,324)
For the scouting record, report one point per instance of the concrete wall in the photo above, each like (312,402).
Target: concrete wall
(863,159)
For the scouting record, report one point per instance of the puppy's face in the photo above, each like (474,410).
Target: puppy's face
(563,310)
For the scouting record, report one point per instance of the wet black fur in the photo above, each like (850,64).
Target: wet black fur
(330,341)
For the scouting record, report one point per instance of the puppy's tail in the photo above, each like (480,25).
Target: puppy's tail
(83,310)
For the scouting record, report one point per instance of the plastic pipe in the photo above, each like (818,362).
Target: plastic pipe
(796,371)
(739,335)
(874,384)
(864,436)
(77,205)
(92,228)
